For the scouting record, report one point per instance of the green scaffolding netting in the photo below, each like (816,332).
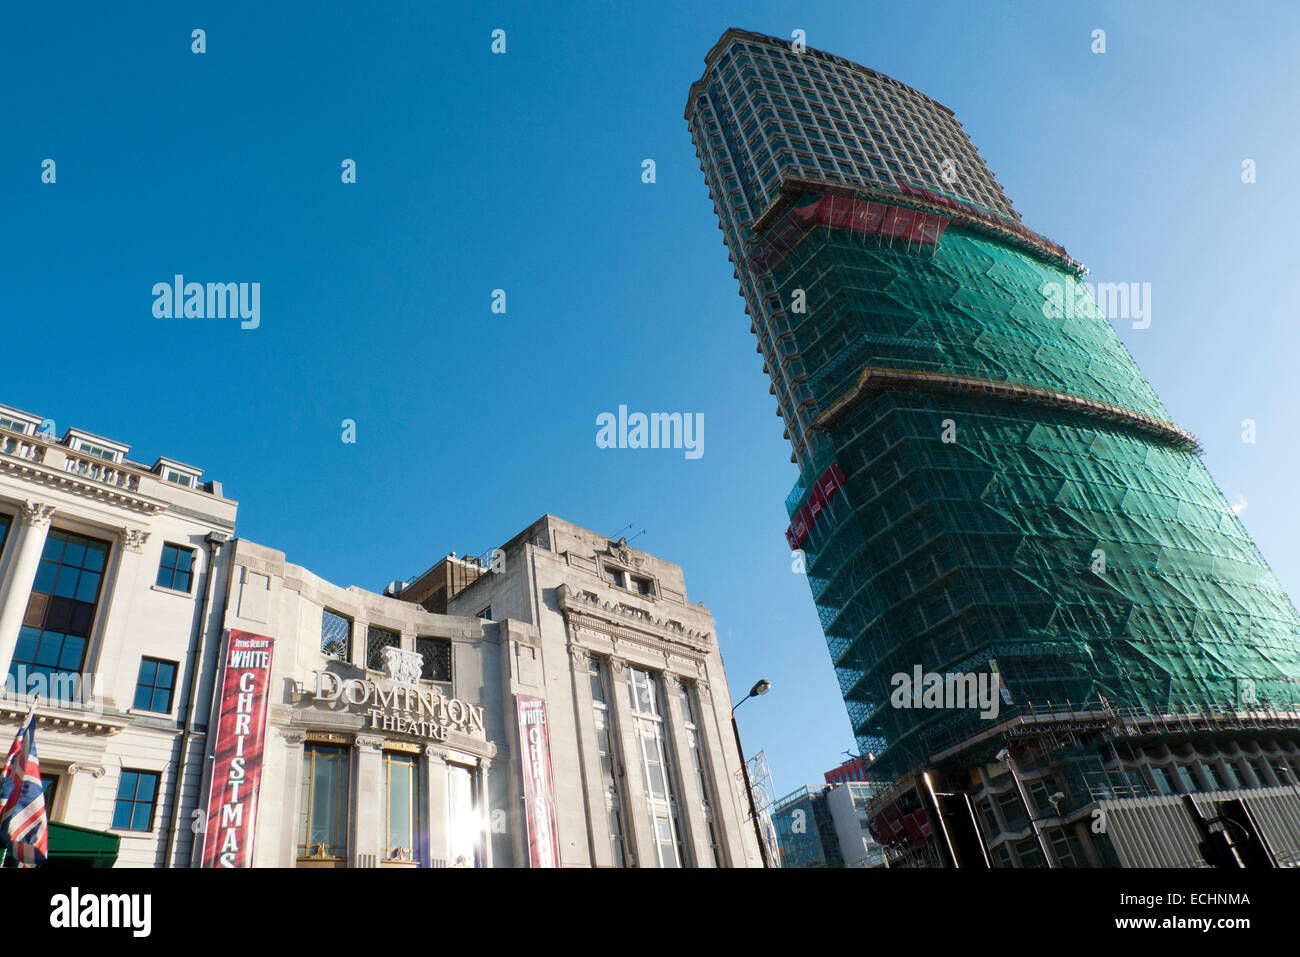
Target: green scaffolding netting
(1086,557)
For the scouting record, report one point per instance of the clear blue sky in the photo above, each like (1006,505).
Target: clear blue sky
(522,172)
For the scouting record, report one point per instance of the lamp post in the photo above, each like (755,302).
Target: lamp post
(761,687)
(1005,757)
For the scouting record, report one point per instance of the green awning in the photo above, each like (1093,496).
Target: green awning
(73,846)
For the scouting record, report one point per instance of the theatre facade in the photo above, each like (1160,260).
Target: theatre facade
(558,702)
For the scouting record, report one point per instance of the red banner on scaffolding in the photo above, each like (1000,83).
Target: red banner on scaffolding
(828,483)
(843,212)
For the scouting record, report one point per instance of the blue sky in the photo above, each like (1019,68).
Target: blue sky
(522,172)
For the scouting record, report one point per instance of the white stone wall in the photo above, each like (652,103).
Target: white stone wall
(44,489)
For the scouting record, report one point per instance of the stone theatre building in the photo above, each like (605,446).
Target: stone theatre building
(204,702)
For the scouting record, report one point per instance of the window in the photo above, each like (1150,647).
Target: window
(436,665)
(643,698)
(463,825)
(1066,849)
(153,689)
(644,586)
(5,522)
(178,478)
(61,610)
(485,613)
(137,792)
(323,821)
(608,759)
(377,639)
(97,451)
(49,788)
(1029,854)
(697,762)
(1013,810)
(402,788)
(1163,782)
(617,576)
(176,570)
(335,636)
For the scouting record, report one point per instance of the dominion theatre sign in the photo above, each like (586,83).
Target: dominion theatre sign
(400,707)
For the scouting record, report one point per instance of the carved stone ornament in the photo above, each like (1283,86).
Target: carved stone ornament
(620,551)
(94,770)
(403,666)
(37,514)
(368,742)
(579,655)
(293,736)
(134,538)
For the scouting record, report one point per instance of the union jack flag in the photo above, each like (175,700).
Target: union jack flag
(23,823)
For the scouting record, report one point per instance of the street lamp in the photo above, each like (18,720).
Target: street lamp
(761,687)
(1004,756)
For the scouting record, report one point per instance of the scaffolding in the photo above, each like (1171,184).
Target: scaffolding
(1013,488)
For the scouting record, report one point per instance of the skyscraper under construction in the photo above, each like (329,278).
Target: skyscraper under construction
(989,487)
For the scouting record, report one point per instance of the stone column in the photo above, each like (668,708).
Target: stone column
(640,836)
(368,801)
(602,854)
(294,759)
(435,787)
(32,527)
(690,807)
(485,809)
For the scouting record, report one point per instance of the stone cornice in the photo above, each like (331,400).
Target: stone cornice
(73,720)
(631,624)
(118,496)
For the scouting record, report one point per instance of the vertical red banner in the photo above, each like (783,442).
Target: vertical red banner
(539,786)
(237,749)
